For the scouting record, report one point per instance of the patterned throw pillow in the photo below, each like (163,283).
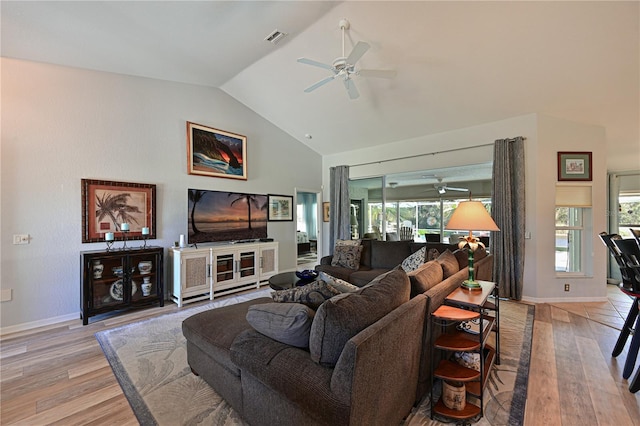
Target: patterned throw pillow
(341,285)
(413,261)
(348,242)
(347,256)
(449,263)
(312,295)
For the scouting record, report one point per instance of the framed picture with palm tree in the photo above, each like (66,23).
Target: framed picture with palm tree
(107,205)
(280,207)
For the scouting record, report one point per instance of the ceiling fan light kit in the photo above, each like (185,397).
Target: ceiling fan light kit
(344,67)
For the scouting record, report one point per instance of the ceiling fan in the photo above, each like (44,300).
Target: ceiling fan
(443,187)
(344,67)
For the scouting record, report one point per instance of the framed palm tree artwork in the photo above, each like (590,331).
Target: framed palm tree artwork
(113,207)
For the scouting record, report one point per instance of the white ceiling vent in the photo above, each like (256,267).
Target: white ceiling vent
(275,36)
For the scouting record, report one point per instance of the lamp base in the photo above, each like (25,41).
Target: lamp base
(471,285)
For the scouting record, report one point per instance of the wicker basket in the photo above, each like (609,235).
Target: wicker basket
(454,395)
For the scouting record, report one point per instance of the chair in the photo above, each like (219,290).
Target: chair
(432,238)
(406,233)
(626,252)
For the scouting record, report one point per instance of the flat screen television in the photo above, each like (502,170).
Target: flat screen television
(226,216)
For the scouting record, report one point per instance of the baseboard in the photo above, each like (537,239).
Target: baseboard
(55,321)
(564,299)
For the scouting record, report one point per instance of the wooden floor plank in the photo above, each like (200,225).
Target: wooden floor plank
(542,408)
(59,375)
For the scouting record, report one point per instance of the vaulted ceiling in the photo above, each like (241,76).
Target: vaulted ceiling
(458,64)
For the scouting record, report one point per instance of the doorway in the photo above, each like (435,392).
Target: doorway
(307,228)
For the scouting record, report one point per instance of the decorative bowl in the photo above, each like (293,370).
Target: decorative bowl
(307,275)
(145,266)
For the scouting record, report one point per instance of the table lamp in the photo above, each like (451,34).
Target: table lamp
(471,216)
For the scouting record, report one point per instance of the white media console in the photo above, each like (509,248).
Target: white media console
(204,272)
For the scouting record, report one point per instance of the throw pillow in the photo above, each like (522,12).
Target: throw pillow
(341,285)
(425,277)
(414,260)
(289,323)
(480,253)
(312,295)
(432,254)
(344,316)
(347,256)
(348,242)
(449,263)
(462,255)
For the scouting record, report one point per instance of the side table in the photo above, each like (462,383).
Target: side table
(464,305)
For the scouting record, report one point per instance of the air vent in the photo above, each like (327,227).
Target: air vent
(275,37)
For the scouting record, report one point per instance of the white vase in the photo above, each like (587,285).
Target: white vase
(146,286)
(97,269)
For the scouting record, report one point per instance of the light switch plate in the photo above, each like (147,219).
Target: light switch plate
(21,239)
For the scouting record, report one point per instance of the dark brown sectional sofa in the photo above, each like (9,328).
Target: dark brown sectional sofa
(378,257)
(360,344)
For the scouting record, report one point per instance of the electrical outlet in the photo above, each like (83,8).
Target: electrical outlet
(5,295)
(21,239)
(566,287)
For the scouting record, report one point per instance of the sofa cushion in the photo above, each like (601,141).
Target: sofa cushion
(425,277)
(342,317)
(449,263)
(288,323)
(341,285)
(347,256)
(432,254)
(214,330)
(479,254)
(462,256)
(413,261)
(313,294)
(388,254)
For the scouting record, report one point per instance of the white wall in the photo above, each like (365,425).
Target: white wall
(541,282)
(544,137)
(60,125)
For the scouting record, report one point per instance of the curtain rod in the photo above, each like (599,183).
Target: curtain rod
(433,153)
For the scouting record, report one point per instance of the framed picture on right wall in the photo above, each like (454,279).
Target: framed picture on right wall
(574,166)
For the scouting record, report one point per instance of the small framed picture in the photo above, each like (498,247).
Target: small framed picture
(325,211)
(574,166)
(280,207)
(107,205)
(216,153)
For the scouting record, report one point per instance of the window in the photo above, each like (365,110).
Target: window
(573,223)
(569,231)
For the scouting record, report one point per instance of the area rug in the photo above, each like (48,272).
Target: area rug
(150,362)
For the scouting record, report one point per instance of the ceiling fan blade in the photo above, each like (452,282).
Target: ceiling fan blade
(377,73)
(318,84)
(450,188)
(316,64)
(351,89)
(358,50)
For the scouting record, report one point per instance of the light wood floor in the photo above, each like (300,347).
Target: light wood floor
(59,375)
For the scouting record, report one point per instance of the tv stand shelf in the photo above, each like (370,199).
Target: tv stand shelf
(205,272)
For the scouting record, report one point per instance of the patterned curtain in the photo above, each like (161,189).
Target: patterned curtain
(508,211)
(339,209)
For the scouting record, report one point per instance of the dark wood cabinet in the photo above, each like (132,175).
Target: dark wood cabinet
(120,279)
